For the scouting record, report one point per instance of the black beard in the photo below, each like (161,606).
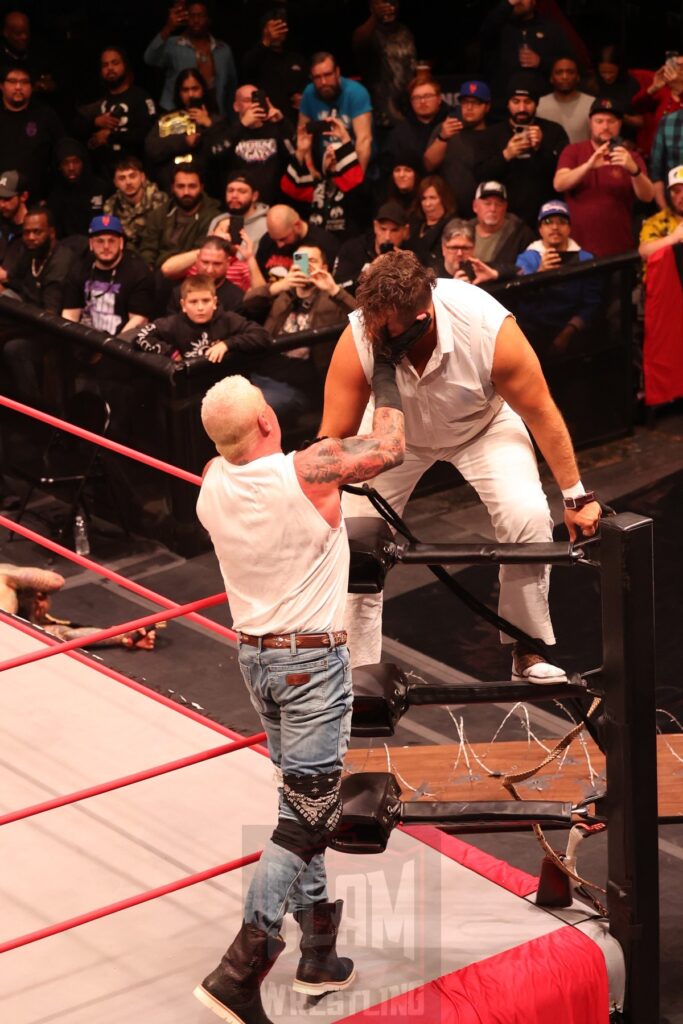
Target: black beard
(522,118)
(40,251)
(240,210)
(187,203)
(114,83)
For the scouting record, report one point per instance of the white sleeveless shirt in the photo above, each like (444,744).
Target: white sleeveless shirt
(454,399)
(285,568)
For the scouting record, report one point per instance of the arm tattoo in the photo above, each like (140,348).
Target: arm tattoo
(357,458)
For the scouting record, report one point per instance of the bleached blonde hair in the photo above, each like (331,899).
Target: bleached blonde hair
(229,414)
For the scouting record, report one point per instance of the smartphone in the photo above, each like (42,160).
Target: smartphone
(386,247)
(319,128)
(616,141)
(455,111)
(260,98)
(236,225)
(468,270)
(301,262)
(670,59)
(568,257)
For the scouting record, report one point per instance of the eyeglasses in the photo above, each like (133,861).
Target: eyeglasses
(423,97)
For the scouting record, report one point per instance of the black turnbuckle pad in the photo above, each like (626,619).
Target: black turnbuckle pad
(373,553)
(380,699)
(372,808)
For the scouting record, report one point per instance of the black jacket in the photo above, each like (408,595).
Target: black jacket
(178,337)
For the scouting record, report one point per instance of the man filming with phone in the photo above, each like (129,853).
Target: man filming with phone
(600,179)
(255,143)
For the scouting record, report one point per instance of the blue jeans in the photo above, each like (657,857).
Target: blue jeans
(308,724)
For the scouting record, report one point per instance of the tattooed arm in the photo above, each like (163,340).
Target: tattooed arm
(325,466)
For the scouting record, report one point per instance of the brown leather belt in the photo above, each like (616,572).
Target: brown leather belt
(283,640)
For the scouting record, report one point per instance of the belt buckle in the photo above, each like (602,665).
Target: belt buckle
(280,641)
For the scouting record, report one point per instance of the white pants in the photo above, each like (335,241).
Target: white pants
(500,463)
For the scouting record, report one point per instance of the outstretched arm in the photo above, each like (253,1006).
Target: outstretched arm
(346,390)
(518,379)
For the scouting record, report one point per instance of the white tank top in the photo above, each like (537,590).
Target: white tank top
(285,569)
(454,399)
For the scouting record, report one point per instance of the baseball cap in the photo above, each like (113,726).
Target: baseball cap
(11,184)
(394,212)
(554,208)
(475,90)
(604,106)
(675,176)
(241,176)
(105,225)
(524,83)
(491,188)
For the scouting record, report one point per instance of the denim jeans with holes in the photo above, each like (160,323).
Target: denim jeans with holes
(304,700)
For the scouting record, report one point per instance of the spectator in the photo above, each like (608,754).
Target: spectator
(331,196)
(118,123)
(667,153)
(215,258)
(564,309)
(330,95)
(665,227)
(456,146)
(522,151)
(515,37)
(257,143)
(183,136)
(242,200)
(195,47)
(408,140)
(201,328)
(385,54)
(566,105)
(278,71)
(664,95)
(19,51)
(286,232)
(112,290)
(600,179)
(435,205)
(304,300)
(35,272)
(402,185)
(178,223)
(499,236)
(457,254)
(612,81)
(78,195)
(13,206)
(135,197)
(390,230)
(28,132)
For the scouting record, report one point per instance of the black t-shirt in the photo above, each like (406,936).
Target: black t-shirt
(178,335)
(27,139)
(109,297)
(39,279)
(74,204)
(276,262)
(136,113)
(263,152)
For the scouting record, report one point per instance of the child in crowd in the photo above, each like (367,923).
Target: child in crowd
(201,329)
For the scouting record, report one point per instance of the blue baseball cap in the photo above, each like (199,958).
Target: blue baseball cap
(554,208)
(106,225)
(474,90)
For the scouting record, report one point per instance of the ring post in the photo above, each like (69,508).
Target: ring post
(629,733)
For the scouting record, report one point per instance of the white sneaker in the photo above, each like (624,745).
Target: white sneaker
(529,667)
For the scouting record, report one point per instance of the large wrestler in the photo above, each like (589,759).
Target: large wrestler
(276,524)
(470,385)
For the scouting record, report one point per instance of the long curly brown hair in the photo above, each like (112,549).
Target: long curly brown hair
(393,283)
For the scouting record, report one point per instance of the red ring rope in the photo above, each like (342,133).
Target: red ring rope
(103,442)
(132,901)
(129,780)
(115,577)
(107,634)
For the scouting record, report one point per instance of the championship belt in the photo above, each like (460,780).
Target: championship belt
(178,122)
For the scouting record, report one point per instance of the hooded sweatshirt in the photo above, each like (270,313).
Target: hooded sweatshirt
(75,203)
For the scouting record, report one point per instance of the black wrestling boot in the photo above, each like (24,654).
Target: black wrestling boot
(320,970)
(232,991)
